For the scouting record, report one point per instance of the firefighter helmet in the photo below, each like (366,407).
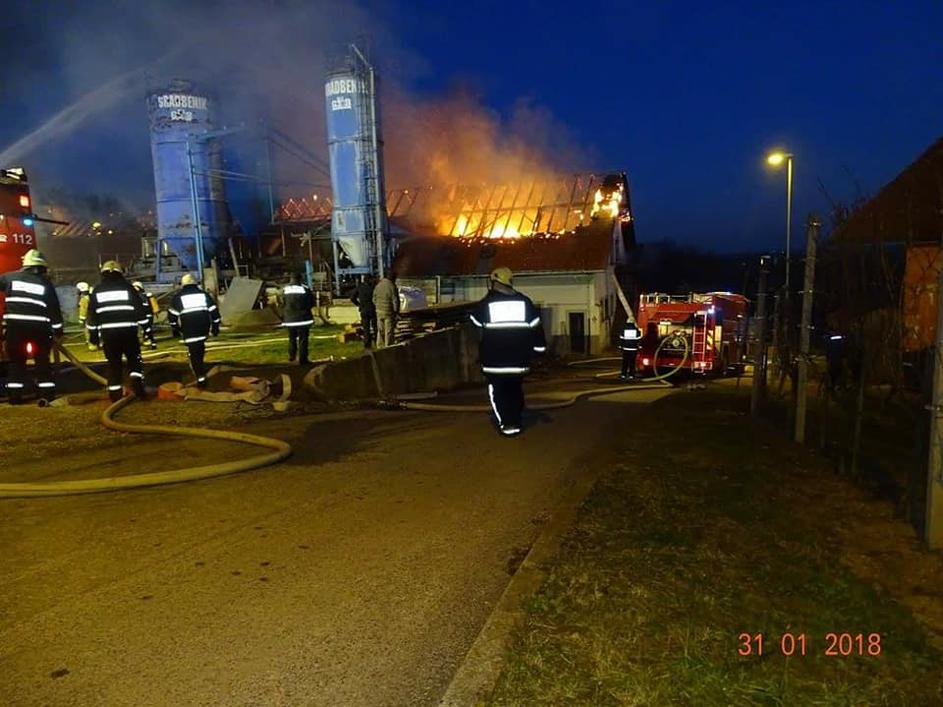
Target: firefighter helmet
(82,286)
(502,275)
(188,279)
(138,285)
(111,266)
(34,259)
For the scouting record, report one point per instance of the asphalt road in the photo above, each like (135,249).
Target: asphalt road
(357,573)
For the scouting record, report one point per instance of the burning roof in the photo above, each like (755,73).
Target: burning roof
(589,248)
(536,207)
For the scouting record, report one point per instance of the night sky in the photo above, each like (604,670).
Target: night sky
(686,97)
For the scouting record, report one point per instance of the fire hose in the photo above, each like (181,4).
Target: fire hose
(572,400)
(280,450)
(649,379)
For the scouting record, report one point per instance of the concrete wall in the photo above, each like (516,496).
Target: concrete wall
(439,361)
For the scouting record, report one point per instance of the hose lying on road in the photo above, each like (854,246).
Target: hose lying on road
(554,405)
(661,379)
(280,450)
(657,376)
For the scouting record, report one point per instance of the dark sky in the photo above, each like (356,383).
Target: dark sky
(685,96)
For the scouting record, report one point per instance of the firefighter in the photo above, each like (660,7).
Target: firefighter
(115,312)
(32,320)
(511,333)
(152,308)
(193,315)
(297,301)
(629,342)
(834,359)
(82,290)
(362,297)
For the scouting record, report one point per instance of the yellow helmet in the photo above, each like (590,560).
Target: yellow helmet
(188,279)
(111,266)
(34,259)
(502,275)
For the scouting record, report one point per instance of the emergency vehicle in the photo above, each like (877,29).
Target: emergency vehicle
(16,229)
(712,327)
(16,219)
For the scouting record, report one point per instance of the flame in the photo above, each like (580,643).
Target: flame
(609,204)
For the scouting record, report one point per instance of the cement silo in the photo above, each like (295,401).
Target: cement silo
(358,224)
(186,173)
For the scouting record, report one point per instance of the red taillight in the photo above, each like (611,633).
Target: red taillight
(29,348)
(646,361)
(24,201)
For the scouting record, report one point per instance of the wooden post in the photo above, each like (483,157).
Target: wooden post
(933,531)
(812,234)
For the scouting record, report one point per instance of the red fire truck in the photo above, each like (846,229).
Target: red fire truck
(16,219)
(712,327)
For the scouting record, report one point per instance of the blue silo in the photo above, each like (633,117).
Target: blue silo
(186,164)
(358,224)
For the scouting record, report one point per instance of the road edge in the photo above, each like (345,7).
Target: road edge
(478,672)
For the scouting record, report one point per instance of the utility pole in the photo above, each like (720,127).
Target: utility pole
(934,520)
(808,291)
(759,357)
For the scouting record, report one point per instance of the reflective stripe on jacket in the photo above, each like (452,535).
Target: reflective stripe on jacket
(194,313)
(114,305)
(631,338)
(31,300)
(298,301)
(511,332)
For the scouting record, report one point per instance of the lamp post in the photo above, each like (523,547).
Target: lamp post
(775,159)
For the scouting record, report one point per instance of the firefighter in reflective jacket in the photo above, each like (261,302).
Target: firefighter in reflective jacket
(296,317)
(152,308)
(115,312)
(511,333)
(31,320)
(193,315)
(82,290)
(629,341)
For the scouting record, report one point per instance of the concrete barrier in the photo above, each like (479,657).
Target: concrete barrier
(442,360)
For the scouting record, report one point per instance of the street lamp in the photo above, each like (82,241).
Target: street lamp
(775,159)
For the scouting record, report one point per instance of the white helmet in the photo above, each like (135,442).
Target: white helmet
(137,285)
(82,286)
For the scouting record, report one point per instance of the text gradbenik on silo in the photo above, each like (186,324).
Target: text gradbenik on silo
(337,88)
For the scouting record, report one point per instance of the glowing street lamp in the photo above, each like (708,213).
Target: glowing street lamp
(775,159)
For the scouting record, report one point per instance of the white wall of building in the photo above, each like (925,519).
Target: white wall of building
(558,295)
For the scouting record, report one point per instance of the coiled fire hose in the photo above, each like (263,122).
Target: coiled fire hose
(280,450)
(572,400)
(649,379)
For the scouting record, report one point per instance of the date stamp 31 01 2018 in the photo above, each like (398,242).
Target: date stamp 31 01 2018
(799,644)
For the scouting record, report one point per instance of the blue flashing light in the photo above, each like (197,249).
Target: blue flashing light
(27,222)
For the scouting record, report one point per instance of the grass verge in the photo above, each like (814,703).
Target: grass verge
(709,528)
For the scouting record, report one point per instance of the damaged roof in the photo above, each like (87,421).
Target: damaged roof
(589,248)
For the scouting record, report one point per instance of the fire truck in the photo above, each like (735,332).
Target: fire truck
(16,219)
(711,327)
(16,230)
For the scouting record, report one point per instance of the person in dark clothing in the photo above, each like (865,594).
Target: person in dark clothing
(115,312)
(363,298)
(151,306)
(193,316)
(629,342)
(31,321)
(511,333)
(296,317)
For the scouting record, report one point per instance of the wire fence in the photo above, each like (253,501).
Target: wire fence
(870,367)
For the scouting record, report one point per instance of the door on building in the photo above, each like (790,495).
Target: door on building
(577,329)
